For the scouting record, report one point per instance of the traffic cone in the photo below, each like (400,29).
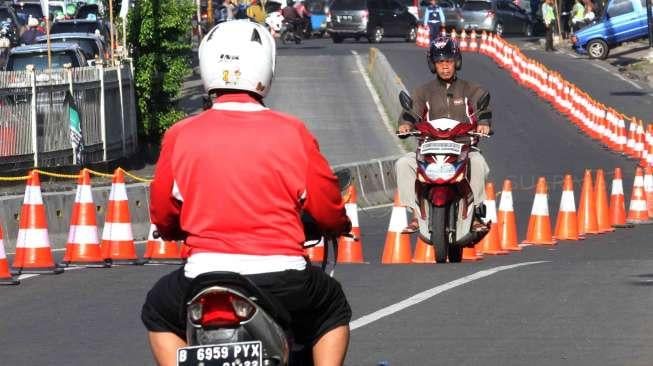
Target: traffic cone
(83,247)
(490,243)
(617,202)
(463,41)
(638,212)
(424,253)
(5,275)
(185,251)
(587,223)
(539,224)
(350,250)
(602,208)
(33,251)
(397,245)
(567,221)
(117,238)
(161,251)
(506,219)
(316,252)
(473,41)
(470,254)
(648,189)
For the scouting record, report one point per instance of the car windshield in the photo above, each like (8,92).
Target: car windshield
(71,27)
(89,47)
(40,60)
(26,10)
(477,5)
(348,5)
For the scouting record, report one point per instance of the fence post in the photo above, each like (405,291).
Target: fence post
(122,112)
(103,122)
(35,141)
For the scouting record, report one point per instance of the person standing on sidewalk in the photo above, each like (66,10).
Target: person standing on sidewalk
(548,15)
(434,18)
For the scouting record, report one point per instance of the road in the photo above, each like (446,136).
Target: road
(577,303)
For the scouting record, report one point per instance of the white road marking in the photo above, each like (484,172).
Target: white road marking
(425,295)
(376,99)
(600,67)
(628,81)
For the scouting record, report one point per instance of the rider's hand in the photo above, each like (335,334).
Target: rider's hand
(484,129)
(405,128)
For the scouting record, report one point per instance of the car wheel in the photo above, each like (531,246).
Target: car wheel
(498,29)
(376,36)
(412,34)
(597,48)
(528,32)
(336,38)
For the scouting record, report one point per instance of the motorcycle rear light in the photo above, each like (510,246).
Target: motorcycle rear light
(221,309)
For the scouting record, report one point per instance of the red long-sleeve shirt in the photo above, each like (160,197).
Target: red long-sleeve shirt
(232,180)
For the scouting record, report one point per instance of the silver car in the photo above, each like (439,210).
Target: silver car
(497,16)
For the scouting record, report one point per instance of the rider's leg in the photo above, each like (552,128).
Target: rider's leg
(331,348)
(406,172)
(164,347)
(478,176)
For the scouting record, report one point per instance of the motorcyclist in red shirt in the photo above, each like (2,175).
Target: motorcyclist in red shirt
(233,181)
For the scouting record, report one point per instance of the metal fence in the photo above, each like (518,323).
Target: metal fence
(35,131)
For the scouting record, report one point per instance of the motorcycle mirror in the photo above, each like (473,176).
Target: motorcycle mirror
(405,100)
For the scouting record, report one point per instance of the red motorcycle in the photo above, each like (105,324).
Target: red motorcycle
(445,198)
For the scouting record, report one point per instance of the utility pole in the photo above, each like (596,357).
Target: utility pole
(209,13)
(649,17)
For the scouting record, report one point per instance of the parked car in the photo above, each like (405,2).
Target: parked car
(90,44)
(98,26)
(497,16)
(371,19)
(453,18)
(622,21)
(37,55)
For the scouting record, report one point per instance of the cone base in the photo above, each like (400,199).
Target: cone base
(87,264)
(9,281)
(37,270)
(554,242)
(157,261)
(638,221)
(623,226)
(495,252)
(121,262)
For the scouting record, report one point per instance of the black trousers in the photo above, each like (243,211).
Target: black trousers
(549,38)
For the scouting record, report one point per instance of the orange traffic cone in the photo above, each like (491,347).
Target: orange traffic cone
(617,202)
(470,254)
(316,252)
(185,251)
(117,238)
(33,251)
(602,208)
(161,251)
(539,224)
(424,252)
(350,250)
(567,222)
(506,219)
(638,212)
(587,223)
(5,275)
(83,247)
(648,189)
(397,245)
(490,243)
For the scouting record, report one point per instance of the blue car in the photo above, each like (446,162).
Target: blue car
(622,21)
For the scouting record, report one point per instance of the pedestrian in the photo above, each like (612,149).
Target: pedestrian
(225,12)
(548,15)
(30,35)
(434,18)
(256,13)
(577,16)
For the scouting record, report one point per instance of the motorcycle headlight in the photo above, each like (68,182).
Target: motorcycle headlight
(440,171)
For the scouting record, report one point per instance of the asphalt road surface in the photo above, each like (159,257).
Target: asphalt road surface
(577,303)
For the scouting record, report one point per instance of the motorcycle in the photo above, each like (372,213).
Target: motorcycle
(290,33)
(230,321)
(6,36)
(445,198)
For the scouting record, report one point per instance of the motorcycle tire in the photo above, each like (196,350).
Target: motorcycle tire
(439,237)
(286,37)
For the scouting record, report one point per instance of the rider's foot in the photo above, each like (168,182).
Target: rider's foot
(412,227)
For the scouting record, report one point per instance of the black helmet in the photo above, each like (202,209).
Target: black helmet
(443,48)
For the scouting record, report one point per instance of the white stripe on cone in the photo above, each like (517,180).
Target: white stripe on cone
(83,234)
(352,213)
(398,220)
(540,205)
(639,181)
(505,204)
(33,195)
(84,194)
(3,255)
(115,231)
(33,238)
(118,192)
(638,205)
(567,202)
(617,187)
(491,211)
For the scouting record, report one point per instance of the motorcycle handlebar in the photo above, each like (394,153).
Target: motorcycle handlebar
(403,135)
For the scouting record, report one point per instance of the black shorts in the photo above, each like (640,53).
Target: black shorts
(315,302)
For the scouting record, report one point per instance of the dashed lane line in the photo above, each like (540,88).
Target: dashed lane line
(425,295)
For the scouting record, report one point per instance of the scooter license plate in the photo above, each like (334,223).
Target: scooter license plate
(228,354)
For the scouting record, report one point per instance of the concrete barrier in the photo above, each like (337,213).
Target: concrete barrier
(375,180)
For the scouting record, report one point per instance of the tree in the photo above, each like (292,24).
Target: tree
(160,32)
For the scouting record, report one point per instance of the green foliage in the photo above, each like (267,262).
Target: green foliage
(159,32)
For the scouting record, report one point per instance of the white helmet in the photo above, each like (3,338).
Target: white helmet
(239,55)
